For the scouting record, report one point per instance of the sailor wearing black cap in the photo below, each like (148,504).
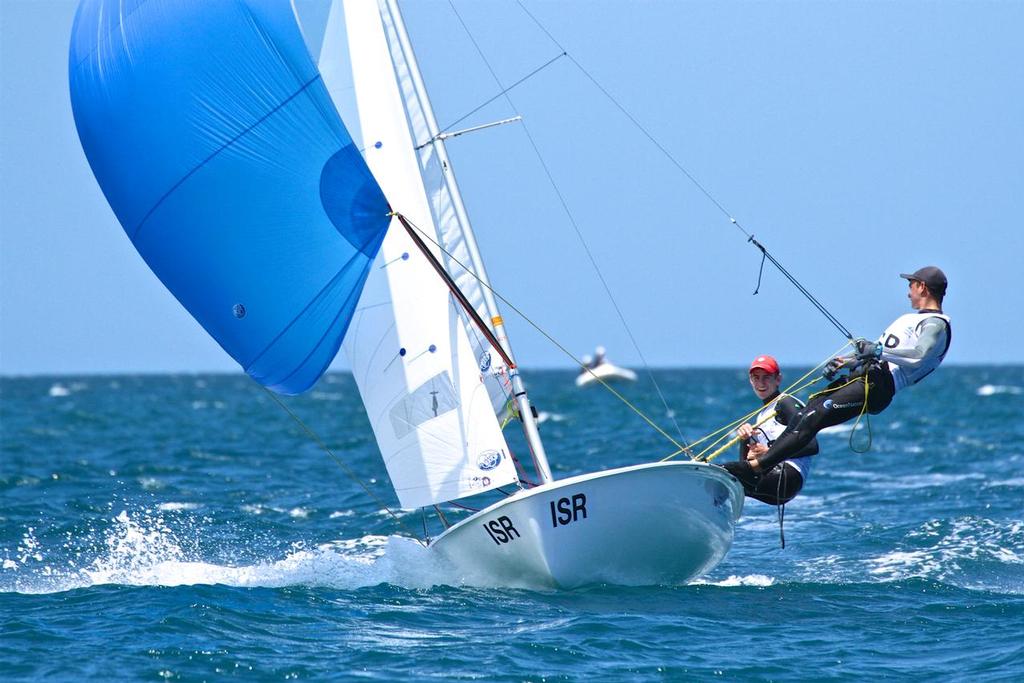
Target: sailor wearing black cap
(909,350)
(915,343)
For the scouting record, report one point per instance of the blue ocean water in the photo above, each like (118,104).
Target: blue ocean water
(185,527)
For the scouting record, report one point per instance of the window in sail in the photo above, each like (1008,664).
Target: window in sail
(433,398)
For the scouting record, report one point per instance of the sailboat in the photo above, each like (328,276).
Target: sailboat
(226,161)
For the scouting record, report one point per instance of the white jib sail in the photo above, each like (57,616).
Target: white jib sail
(453,229)
(410,354)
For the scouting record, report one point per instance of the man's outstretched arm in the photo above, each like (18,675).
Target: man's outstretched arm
(933,334)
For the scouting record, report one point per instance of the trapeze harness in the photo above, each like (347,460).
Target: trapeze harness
(901,343)
(779,485)
(770,430)
(782,482)
(912,347)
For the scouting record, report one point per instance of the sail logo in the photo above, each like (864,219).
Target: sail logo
(479,482)
(488,460)
(485,361)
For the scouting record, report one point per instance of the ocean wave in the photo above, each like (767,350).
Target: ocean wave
(924,481)
(203,405)
(758,580)
(843,429)
(1016,482)
(140,550)
(969,553)
(994,389)
(326,396)
(177,507)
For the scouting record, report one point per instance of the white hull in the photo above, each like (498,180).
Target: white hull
(659,523)
(606,372)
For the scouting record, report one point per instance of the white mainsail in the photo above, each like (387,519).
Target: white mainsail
(410,353)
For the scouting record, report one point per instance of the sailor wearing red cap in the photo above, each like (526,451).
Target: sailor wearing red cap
(910,349)
(785,479)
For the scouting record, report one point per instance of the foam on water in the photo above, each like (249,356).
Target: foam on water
(948,552)
(326,396)
(924,481)
(141,550)
(176,507)
(759,580)
(993,389)
(1016,482)
(843,429)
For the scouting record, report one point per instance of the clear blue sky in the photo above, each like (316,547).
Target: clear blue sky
(856,140)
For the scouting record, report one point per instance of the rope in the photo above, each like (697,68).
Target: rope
(795,388)
(799,385)
(781,508)
(316,439)
(750,237)
(521,472)
(863,411)
(504,91)
(440,515)
(803,290)
(572,220)
(867,421)
(551,339)
(733,441)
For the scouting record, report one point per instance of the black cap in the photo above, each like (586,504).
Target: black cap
(932,277)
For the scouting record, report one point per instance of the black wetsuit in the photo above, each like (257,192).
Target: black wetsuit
(914,345)
(842,400)
(783,481)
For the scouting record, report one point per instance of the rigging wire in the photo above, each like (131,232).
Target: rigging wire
(572,220)
(345,468)
(546,335)
(750,237)
(504,91)
(804,382)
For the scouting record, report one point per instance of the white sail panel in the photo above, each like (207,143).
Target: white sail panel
(410,354)
(453,227)
(336,72)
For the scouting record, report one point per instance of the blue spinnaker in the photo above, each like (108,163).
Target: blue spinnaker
(217,145)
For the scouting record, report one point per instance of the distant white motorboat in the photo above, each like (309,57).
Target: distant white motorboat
(604,372)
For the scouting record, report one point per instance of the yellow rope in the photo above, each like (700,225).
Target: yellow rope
(867,421)
(733,441)
(863,409)
(681,448)
(800,384)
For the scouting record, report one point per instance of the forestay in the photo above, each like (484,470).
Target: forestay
(217,145)
(410,353)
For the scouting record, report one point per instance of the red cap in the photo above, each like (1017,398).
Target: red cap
(766,363)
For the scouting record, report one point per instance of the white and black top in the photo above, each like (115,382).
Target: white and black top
(784,408)
(915,344)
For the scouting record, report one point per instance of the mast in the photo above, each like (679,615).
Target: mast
(518,387)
